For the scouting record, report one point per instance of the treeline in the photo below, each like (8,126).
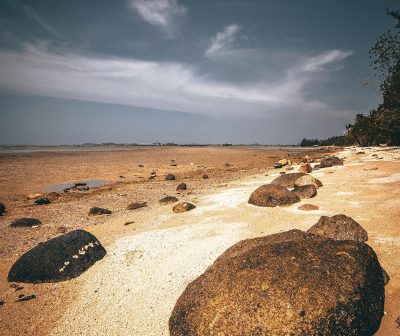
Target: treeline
(332,141)
(382,125)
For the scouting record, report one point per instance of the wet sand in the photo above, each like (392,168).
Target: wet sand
(149,263)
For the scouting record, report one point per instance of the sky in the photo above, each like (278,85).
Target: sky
(194,71)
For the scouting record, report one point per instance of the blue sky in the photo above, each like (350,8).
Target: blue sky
(185,71)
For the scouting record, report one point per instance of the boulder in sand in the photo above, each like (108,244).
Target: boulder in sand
(136,205)
(339,227)
(168,200)
(287,180)
(305,168)
(181,186)
(205,176)
(95,211)
(169,177)
(270,195)
(291,283)
(42,201)
(183,207)
(305,191)
(308,207)
(25,222)
(307,179)
(2,209)
(330,162)
(61,258)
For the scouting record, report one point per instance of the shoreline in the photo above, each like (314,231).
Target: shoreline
(221,218)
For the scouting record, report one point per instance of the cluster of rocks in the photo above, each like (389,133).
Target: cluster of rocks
(78,186)
(286,189)
(320,282)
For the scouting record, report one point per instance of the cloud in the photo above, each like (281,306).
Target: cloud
(159,13)
(317,63)
(223,40)
(160,85)
(34,15)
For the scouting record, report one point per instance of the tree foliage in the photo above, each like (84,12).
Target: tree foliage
(382,125)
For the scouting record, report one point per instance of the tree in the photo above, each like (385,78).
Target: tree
(382,125)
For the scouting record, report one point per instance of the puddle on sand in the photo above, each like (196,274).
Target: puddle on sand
(89,183)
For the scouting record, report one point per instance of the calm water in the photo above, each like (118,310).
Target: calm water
(89,183)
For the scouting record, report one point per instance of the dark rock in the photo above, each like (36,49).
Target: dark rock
(181,186)
(152,177)
(42,201)
(305,191)
(397,321)
(317,166)
(205,176)
(95,211)
(83,188)
(168,200)
(386,277)
(170,177)
(339,227)
(2,209)
(330,161)
(129,223)
(278,165)
(136,205)
(61,258)
(270,195)
(292,283)
(307,179)
(2,302)
(80,184)
(183,207)
(287,180)
(26,298)
(308,207)
(26,222)
(141,166)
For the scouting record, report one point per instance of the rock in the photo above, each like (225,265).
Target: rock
(95,211)
(386,277)
(205,176)
(141,166)
(129,223)
(61,258)
(397,321)
(181,186)
(168,200)
(360,152)
(25,222)
(169,177)
(305,168)
(370,168)
(278,165)
(339,227)
(80,184)
(317,166)
(308,179)
(183,207)
(307,159)
(2,209)
(42,201)
(289,168)
(283,162)
(136,205)
(26,298)
(305,191)
(291,283)
(270,195)
(375,155)
(34,196)
(287,180)
(308,207)
(331,161)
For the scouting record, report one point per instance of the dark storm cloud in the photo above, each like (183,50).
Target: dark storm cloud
(252,65)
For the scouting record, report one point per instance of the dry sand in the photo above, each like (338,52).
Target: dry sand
(148,264)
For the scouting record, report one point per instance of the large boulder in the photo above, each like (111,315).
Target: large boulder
(61,258)
(307,179)
(2,209)
(330,161)
(339,227)
(305,191)
(287,180)
(291,283)
(183,207)
(270,195)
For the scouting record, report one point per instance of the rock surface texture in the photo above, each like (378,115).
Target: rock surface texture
(61,258)
(291,283)
(287,180)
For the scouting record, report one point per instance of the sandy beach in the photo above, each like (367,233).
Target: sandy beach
(150,261)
